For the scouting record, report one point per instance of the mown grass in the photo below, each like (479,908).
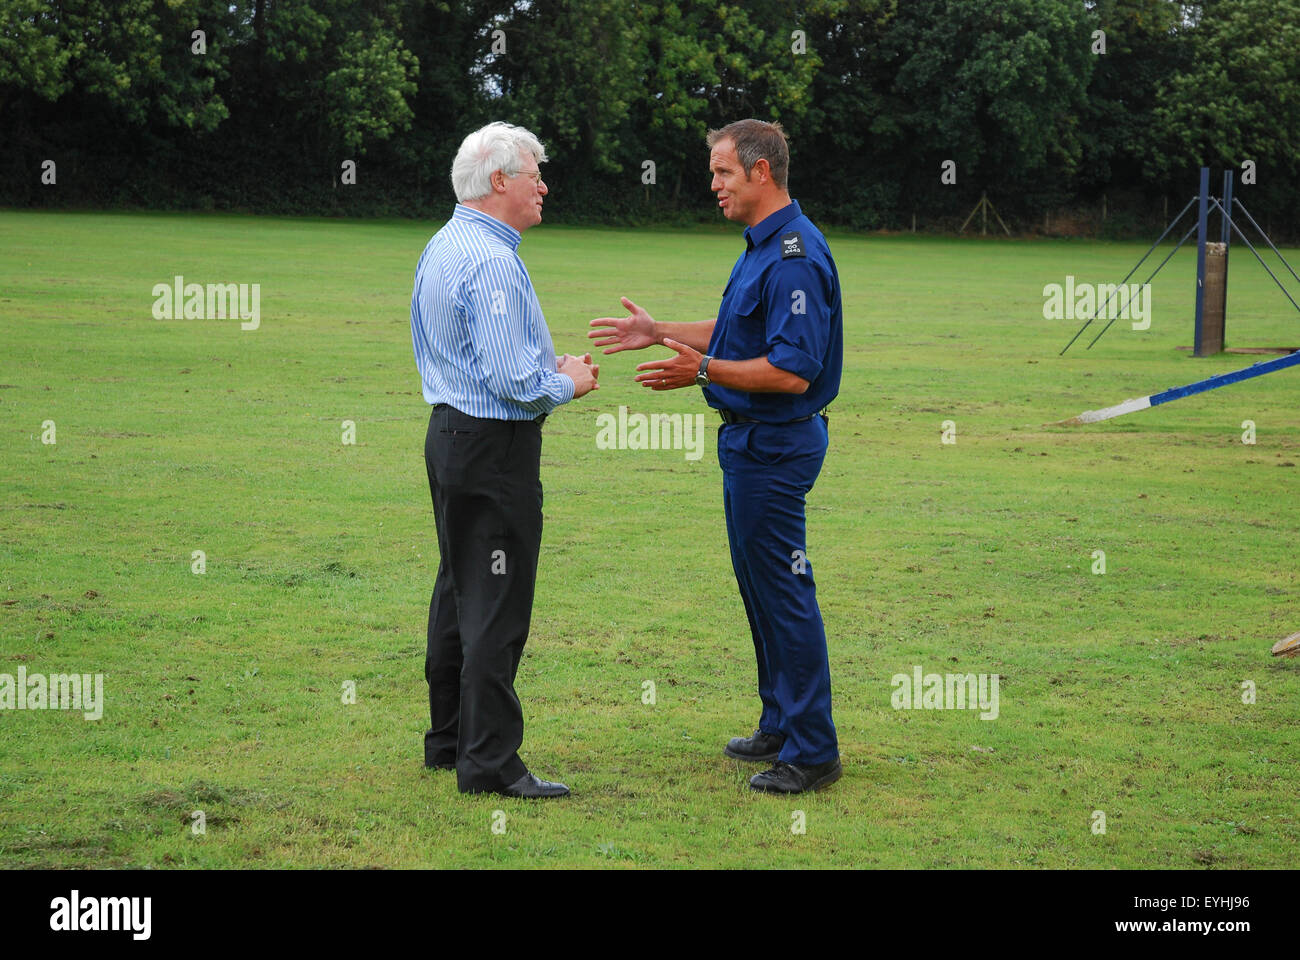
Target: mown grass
(1120,692)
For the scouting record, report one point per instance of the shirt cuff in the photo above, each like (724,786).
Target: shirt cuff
(791,359)
(566,388)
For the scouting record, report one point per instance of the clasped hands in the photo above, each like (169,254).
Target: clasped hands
(637,331)
(581,370)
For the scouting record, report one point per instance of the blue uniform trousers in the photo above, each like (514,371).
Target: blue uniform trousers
(767,471)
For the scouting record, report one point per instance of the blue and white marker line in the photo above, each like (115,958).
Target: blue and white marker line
(1174,393)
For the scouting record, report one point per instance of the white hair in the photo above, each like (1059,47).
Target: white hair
(486,150)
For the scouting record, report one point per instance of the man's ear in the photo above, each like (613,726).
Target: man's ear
(763,169)
(498,181)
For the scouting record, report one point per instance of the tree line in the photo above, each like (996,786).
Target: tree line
(897,110)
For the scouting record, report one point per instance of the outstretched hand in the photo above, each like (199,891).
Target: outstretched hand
(672,372)
(633,332)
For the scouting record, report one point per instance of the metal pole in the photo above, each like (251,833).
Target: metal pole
(1260,231)
(1226,240)
(1177,247)
(1251,248)
(1203,207)
(1225,231)
(1159,240)
(1175,393)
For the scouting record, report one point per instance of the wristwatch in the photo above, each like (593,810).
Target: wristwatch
(702,378)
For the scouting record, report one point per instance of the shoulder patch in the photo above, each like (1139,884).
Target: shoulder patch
(792,245)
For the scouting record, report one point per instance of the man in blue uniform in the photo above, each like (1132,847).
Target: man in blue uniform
(769,364)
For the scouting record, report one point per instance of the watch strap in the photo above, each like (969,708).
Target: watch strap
(702,376)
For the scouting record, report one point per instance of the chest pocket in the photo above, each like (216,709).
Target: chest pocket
(747,304)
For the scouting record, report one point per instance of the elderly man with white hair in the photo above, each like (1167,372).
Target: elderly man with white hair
(488,367)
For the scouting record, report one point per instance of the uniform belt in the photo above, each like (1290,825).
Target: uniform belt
(729,417)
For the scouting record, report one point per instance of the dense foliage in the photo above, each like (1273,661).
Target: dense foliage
(877,95)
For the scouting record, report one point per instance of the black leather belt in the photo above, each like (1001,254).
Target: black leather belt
(729,417)
(537,420)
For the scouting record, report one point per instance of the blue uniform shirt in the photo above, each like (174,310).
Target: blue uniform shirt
(481,342)
(782,302)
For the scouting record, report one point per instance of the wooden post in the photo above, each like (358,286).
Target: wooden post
(1216,275)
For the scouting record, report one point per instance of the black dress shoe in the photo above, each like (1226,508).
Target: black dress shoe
(440,766)
(761,747)
(529,787)
(788,778)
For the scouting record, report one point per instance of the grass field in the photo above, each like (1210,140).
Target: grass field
(1120,692)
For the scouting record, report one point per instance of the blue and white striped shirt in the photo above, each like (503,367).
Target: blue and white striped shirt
(481,342)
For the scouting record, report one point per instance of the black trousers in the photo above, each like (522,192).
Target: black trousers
(485,480)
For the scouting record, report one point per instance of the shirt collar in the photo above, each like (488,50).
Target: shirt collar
(502,231)
(770,224)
